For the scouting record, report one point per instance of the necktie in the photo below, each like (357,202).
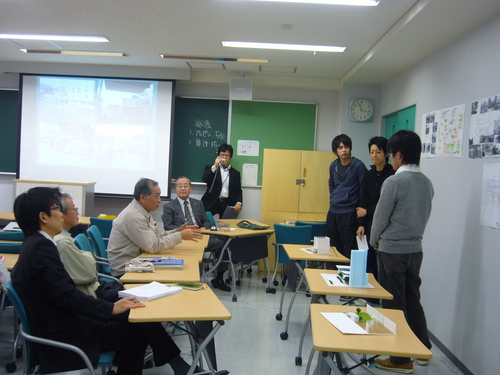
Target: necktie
(187,213)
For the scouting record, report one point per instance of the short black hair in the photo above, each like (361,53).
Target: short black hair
(408,143)
(342,138)
(381,143)
(144,186)
(225,147)
(28,205)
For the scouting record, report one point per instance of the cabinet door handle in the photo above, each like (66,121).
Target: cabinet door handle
(300,182)
(305,173)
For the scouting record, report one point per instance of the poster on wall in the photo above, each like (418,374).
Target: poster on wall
(484,138)
(490,196)
(442,132)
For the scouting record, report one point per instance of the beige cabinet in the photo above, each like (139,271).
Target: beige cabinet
(294,187)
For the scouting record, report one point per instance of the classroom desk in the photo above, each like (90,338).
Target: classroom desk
(297,255)
(9,216)
(190,307)
(241,233)
(328,339)
(318,287)
(190,274)
(186,249)
(10,260)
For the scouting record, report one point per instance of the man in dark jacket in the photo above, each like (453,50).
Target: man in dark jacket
(346,176)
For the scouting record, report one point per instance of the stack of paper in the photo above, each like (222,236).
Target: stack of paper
(150,291)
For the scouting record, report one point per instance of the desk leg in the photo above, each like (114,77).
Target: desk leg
(326,364)
(284,335)
(204,328)
(202,344)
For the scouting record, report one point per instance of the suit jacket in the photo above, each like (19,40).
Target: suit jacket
(235,193)
(173,214)
(56,309)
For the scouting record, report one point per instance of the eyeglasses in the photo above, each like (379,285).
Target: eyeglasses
(55,208)
(73,209)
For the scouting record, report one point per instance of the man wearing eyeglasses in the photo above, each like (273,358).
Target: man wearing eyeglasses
(223,183)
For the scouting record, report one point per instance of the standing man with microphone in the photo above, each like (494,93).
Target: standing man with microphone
(223,183)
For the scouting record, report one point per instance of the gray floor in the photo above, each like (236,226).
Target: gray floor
(250,344)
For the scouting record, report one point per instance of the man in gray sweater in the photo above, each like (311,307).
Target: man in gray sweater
(398,227)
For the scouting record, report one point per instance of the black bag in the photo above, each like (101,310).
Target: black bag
(245,224)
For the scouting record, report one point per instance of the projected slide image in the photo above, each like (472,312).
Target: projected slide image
(102,123)
(111,131)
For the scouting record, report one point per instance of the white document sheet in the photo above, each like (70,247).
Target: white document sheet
(150,291)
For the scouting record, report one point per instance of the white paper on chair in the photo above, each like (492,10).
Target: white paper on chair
(333,280)
(150,291)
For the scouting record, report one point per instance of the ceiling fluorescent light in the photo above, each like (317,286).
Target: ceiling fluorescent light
(80,53)
(366,3)
(66,38)
(235,59)
(288,47)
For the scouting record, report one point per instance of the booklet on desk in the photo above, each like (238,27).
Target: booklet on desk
(150,291)
(165,262)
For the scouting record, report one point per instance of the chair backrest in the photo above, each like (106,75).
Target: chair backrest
(26,333)
(104,225)
(82,242)
(11,236)
(97,242)
(211,218)
(21,313)
(288,234)
(318,229)
(10,248)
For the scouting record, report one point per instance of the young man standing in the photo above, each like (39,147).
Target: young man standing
(398,226)
(346,177)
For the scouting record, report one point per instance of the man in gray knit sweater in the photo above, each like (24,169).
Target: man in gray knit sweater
(398,227)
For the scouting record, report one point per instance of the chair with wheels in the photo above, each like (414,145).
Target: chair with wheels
(317,229)
(104,226)
(10,248)
(105,360)
(211,218)
(11,236)
(99,249)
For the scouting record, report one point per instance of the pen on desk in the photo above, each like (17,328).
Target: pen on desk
(330,281)
(136,301)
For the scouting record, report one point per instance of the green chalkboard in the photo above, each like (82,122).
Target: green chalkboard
(200,127)
(287,126)
(9,130)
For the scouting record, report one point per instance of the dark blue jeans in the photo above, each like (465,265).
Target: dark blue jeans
(399,274)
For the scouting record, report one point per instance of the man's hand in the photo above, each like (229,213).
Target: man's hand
(126,304)
(360,232)
(361,212)
(192,233)
(237,207)
(217,162)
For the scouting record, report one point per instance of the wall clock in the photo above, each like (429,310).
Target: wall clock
(361,110)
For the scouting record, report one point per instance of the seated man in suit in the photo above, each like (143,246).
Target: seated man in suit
(189,210)
(58,310)
(134,230)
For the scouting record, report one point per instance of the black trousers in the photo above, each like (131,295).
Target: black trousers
(399,274)
(341,228)
(153,334)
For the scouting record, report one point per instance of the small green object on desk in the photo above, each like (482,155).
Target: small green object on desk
(363,316)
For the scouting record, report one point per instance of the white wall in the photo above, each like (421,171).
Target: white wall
(462,261)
